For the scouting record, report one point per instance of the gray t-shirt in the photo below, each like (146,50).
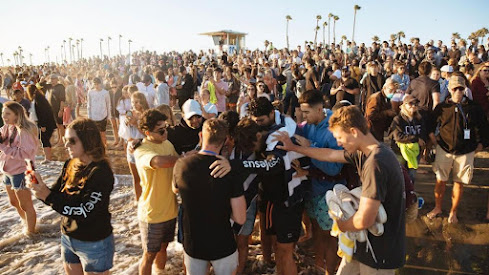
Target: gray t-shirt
(382,179)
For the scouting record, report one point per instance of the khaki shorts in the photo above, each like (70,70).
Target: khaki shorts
(462,165)
(357,268)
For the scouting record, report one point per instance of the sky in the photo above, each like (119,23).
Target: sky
(161,25)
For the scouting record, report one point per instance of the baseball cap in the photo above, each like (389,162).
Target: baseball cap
(345,68)
(455,82)
(191,108)
(409,99)
(447,68)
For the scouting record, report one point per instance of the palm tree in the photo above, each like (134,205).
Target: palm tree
(482,33)
(318,18)
(335,18)
(101,54)
(455,36)
(108,45)
(393,38)
(375,39)
(324,28)
(16,54)
(69,45)
(81,47)
(64,49)
(30,58)
(120,51)
(1,56)
(343,38)
(355,8)
(129,42)
(287,19)
(329,24)
(400,35)
(78,49)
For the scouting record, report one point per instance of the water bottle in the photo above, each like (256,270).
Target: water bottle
(420,202)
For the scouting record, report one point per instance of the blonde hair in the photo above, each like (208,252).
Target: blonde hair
(477,73)
(23,123)
(167,111)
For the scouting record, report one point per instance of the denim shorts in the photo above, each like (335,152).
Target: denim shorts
(130,156)
(17,182)
(93,256)
(249,224)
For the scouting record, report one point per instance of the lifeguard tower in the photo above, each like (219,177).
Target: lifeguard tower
(227,40)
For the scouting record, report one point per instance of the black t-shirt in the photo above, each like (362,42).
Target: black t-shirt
(207,232)
(350,84)
(382,179)
(55,95)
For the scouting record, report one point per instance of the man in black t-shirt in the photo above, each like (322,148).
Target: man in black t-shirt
(55,94)
(344,88)
(209,203)
(382,182)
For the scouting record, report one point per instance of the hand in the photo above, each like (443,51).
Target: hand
(302,141)
(421,143)
(296,165)
(479,147)
(284,138)
(133,144)
(40,190)
(43,129)
(220,167)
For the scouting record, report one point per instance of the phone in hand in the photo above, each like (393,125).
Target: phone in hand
(30,170)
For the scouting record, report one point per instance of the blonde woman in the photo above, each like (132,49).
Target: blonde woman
(18,141)
(480,87)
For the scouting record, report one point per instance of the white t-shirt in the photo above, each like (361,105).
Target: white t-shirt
(149,92)
(162,94)
(98,105)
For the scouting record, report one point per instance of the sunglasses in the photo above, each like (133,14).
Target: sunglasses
(161,131)
(69,141)
(459,89)
(486,71)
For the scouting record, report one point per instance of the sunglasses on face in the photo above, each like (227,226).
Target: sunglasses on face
(461,89)
(69,141)
(486,71)
(161,131)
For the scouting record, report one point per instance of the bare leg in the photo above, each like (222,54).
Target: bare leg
(266,240)
(15,202)
(458,190)
(161,257)
(115,129)
(25,201)
(73,269)
(242,241)
(306,224)
(285,259)
(104,138)
(48,154)
(439,192)
(331,246)
(61,133)
(147,263)
(319,245)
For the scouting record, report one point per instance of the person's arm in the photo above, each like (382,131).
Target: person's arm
(238,208)
(329,168)
(79,206)
(355,91)
(108,106)
(436,99)
(163,161)
(363,218)
(321,154)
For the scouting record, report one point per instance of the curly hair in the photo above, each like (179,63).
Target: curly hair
(260,107)
(245,135)
(150,118)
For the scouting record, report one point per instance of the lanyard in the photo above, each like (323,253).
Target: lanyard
(459,107)
(208,152)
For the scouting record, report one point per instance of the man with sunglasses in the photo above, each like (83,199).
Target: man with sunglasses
(157,206)
(462,131)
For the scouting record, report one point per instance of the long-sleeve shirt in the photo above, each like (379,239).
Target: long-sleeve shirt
(162,94)
(98,105)
(85,209)
(15,147)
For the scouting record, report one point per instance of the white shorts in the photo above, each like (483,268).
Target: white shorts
(461,166)
(223,266)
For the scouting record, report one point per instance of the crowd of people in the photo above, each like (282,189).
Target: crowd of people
(260,133)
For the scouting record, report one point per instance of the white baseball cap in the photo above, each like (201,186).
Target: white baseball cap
(447,68)
(191,108)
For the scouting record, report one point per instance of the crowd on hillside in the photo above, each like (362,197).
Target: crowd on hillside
(264,133)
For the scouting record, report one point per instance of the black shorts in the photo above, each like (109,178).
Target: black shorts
(45,137)
(284,222)
(102,125)
(155,234)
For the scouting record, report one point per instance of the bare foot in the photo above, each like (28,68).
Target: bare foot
(453,218)
(435,213)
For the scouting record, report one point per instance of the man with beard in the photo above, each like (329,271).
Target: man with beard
(344,88)
(185,135)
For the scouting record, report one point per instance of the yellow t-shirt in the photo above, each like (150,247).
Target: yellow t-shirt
(157,203)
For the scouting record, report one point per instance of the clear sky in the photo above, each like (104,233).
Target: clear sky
(163,25)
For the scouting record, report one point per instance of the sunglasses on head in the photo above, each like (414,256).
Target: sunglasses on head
(69,141)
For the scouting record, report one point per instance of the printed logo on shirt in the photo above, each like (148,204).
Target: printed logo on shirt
(267,164)
(84,208)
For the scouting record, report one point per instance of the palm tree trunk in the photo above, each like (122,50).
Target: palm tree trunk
(334,32)
(329,30)
(316,33)
(324,41)
(354,22)
(287,34)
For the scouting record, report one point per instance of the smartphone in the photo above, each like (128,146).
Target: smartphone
(30,170)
